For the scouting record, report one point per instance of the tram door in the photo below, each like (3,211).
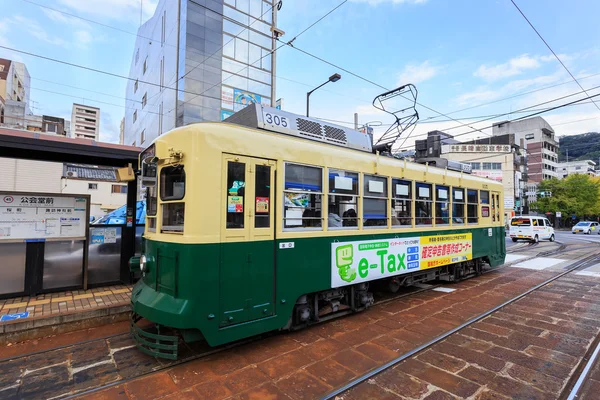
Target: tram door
(498,220)
(247,268)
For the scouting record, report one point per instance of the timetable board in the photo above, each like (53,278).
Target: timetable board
(39,216)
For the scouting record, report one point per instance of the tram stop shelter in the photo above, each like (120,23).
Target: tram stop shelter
(27,258)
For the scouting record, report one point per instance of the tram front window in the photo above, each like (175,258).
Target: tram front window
(172,183)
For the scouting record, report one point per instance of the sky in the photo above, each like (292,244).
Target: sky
(478,56)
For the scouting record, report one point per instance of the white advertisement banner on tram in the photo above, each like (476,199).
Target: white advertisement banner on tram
(367,260)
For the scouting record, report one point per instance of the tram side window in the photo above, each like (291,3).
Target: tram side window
(172,183)
(472,205)
(262,203)
(342,199)
(302,196)
(236,188)
(151,207)
(485,199)
(442,205)
(401,202)
(423,204)
(493,207)
(173,217)
(375,193)
(458,206)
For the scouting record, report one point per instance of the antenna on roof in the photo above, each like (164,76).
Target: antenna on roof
(406,117)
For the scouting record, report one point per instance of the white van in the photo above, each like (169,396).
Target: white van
(530,228)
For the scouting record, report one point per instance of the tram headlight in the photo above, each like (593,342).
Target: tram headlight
(143,263)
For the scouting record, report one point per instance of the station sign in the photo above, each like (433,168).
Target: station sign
(478,148)
(38,216)
(367,260)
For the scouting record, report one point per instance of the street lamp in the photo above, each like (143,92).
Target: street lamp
(332,78)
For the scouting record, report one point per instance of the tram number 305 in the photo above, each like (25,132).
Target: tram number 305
(276,120)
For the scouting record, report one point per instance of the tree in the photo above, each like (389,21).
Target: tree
(577,194)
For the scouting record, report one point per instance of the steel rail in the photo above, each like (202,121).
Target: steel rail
(584,374)
(574,266)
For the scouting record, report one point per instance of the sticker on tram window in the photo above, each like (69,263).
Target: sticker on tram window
(262,204)
(485,211)
(276,120)
(235,204)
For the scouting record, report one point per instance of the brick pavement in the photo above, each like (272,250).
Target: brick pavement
(312,362)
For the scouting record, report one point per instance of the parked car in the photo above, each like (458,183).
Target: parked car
(586,227)
(529,228)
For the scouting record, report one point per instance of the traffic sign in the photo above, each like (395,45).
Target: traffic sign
(12,317)
(558,214)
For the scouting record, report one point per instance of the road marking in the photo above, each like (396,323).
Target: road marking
(512,257)
(443,289)
(588,273)
(538,263)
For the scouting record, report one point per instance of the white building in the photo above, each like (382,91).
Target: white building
(85,122)
(576,167)
(48,177)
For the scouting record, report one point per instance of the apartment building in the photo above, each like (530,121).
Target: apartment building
(85,122)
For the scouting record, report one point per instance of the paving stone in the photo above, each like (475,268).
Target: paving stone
(46,383)
(541,381)
(441,361)
(514,326)
(189,394)
(590,390)
(389,342)
(369,391)
(377,353)
(304,336)
(323,349)
(265,392)
(113,393)
(331,372)
(551,355)
(355,361)
(226,362)
(301,385)
(435,376)
(469,342)
(439,395)
(90,353)
(493,329)
(212,390)
(191,374)
(487,394)
(151,386)
(244,379)
(402,384)
(132,362)
(285,364)
(410,336)
(358,336)
(470,356)
(95,377)
(10,372)
(547,367)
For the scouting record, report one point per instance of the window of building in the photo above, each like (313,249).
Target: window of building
(92,186)
(375,194)
(423,204)
(343,199)
(163,27)
(401,202)
(118,189)
(172,183)
(162,72)
(143,136)
(137,56)
(145,67)
(475,165)
(487,165)
(472,206)
(497,165)
(135,86)
(144,100)
(442,205)
(135,116)
(302,196)
(458,206)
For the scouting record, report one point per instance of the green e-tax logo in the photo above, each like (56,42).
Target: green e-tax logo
(343,260)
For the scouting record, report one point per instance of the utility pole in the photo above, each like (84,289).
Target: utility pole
(355,121)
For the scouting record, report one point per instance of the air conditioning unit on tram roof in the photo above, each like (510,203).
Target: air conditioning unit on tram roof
(257,116)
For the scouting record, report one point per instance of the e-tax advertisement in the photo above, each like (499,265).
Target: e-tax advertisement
(367,260)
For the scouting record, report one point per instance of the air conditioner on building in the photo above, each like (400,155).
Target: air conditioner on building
(71,174)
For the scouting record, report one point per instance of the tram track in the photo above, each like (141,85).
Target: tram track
(167,365)
(576,265)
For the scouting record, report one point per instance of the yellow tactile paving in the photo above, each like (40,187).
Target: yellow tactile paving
(14,305)
(120,291)
(59,299)
(83,296)
(107,293)
(38,302)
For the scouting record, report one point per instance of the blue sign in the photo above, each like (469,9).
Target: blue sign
(225,114)
(12,317)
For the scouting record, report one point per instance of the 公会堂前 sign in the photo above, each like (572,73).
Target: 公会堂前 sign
(367,260)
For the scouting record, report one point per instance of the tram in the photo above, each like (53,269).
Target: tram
(273,221)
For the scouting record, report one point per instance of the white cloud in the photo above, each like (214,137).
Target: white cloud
(83,38)
(514,66)
(417,73)
(377,2)
(36,30)
(65,19)
(113,9)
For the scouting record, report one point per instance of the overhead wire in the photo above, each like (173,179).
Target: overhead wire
(550,48)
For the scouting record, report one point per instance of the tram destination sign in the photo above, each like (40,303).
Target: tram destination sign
(367,260)
(39,216)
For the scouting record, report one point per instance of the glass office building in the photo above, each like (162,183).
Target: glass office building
(198,60)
